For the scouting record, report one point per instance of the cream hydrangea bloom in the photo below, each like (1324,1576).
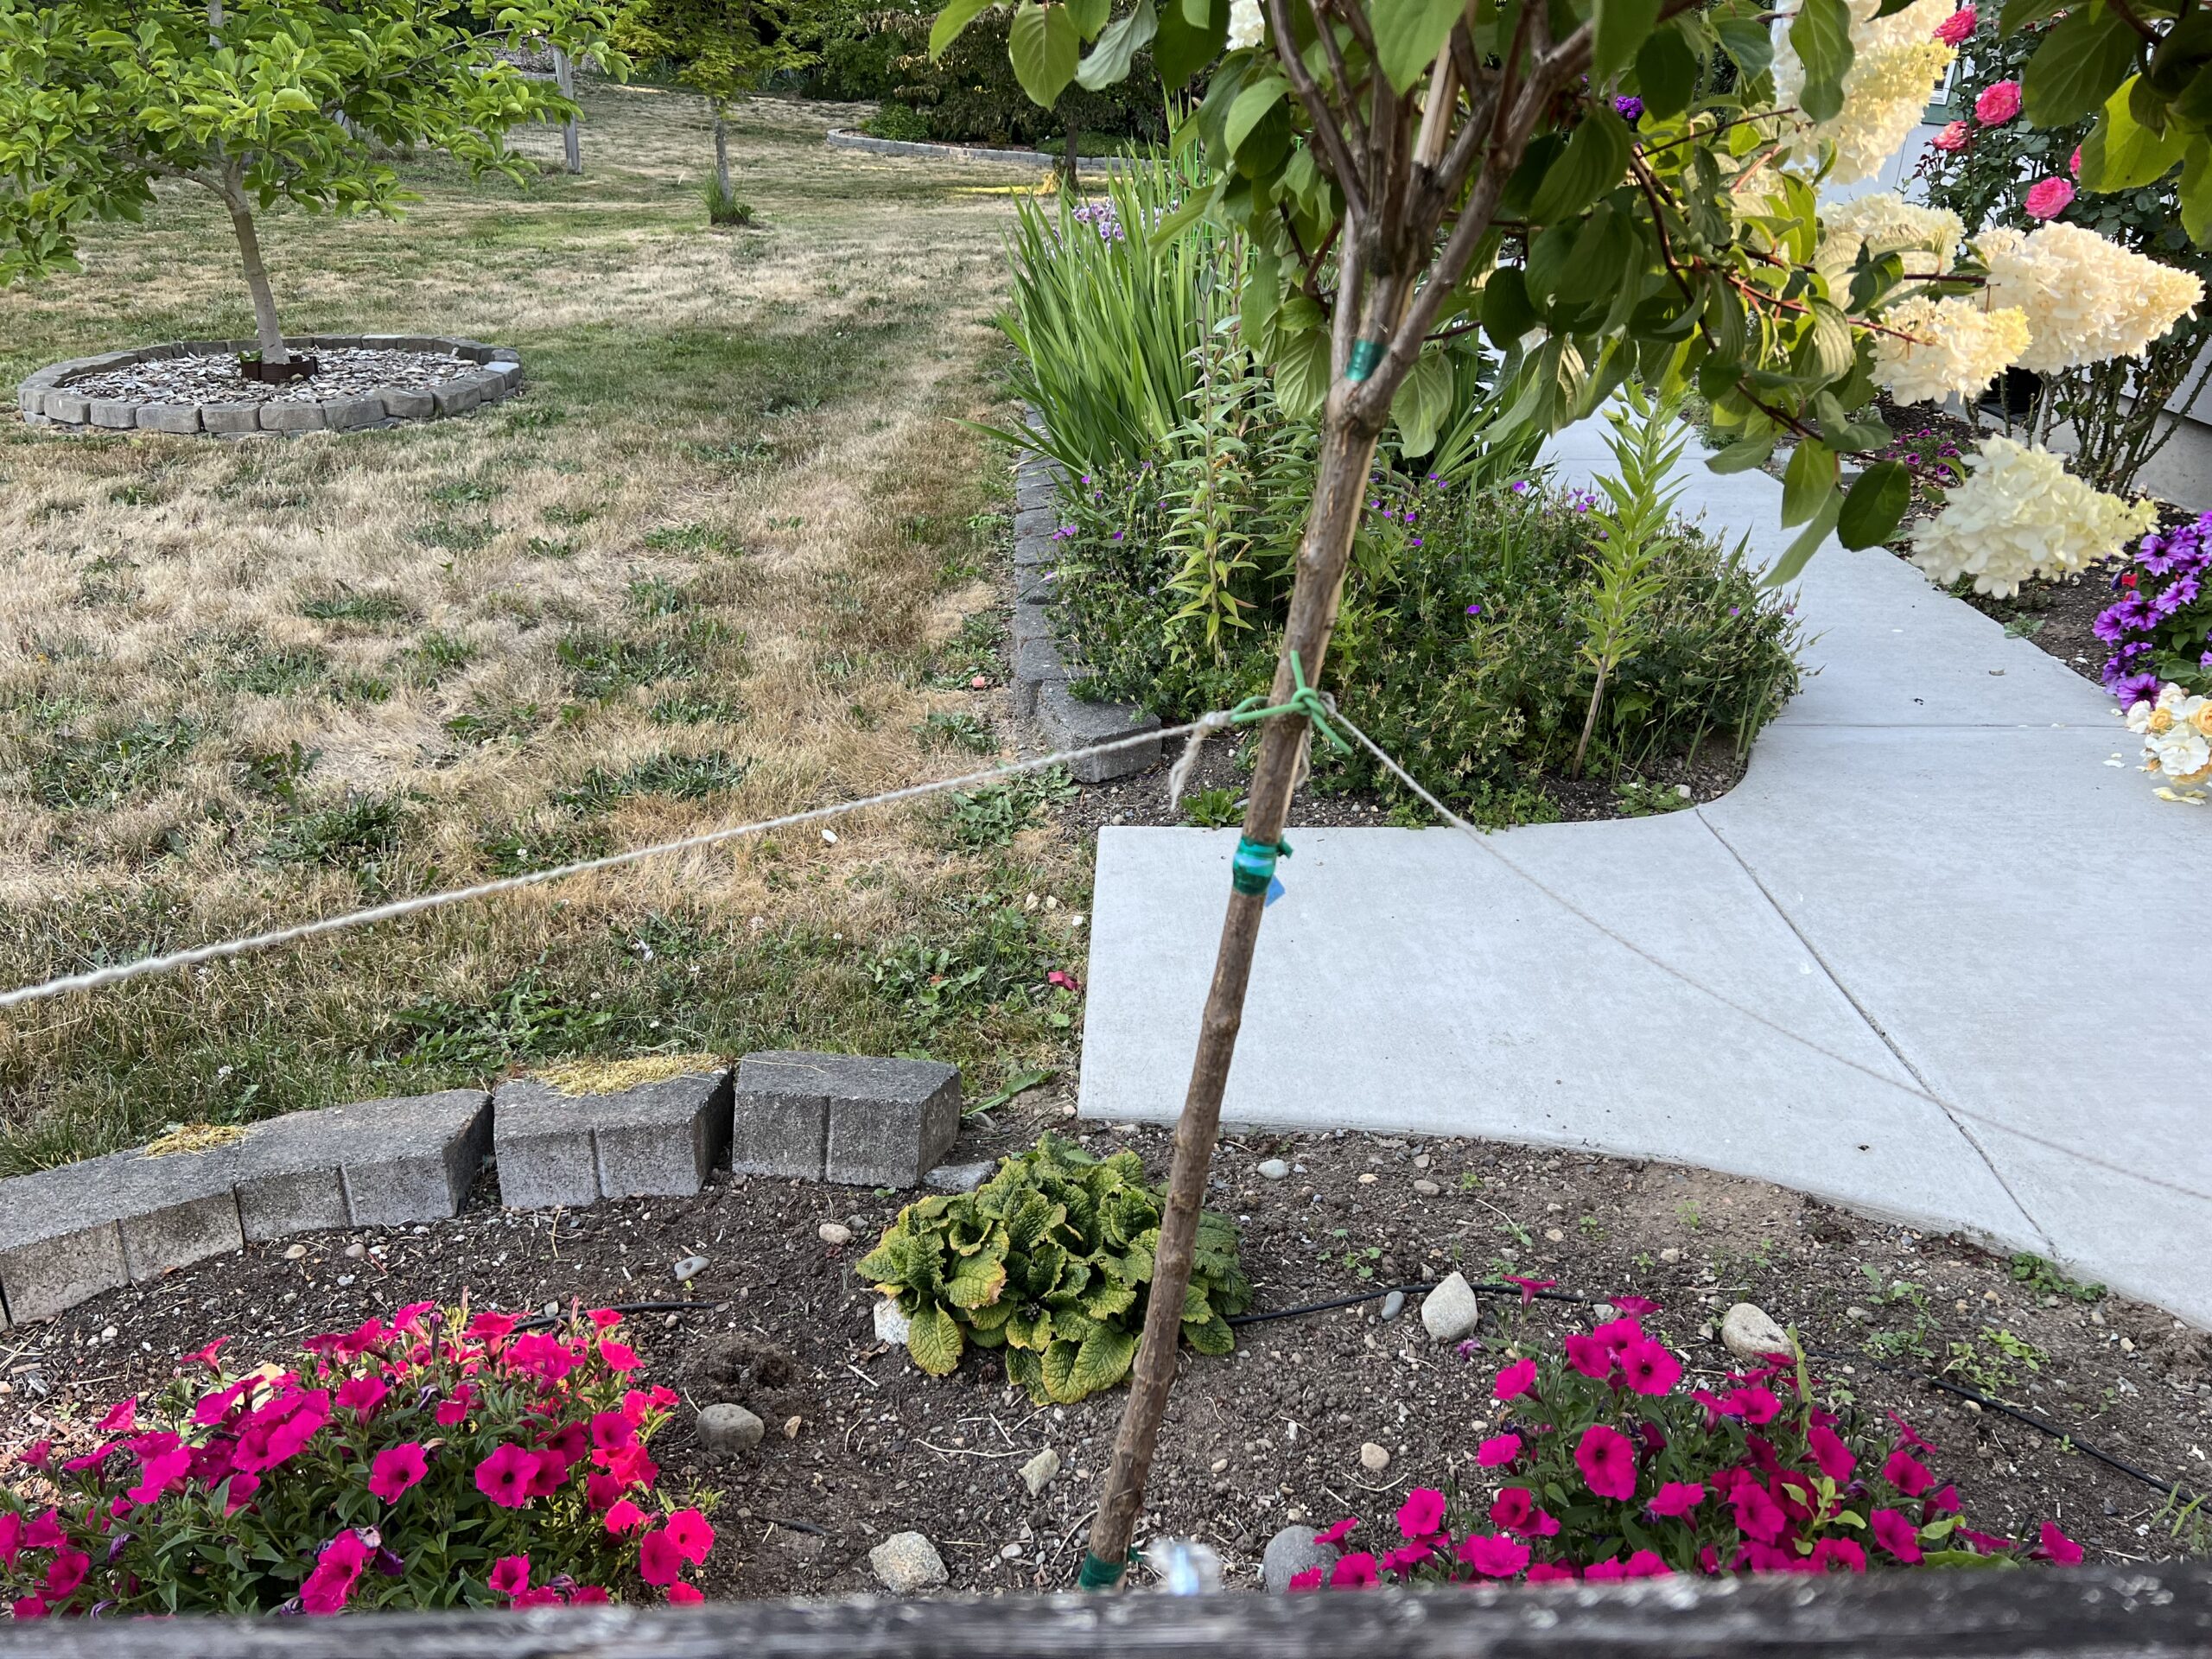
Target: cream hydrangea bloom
(2086,299)
(2019,513)
(1883,222)
(1247,25)
(1954,347)
(2176,733)
(1896,63)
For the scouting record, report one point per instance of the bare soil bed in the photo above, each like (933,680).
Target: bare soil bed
(861,1445)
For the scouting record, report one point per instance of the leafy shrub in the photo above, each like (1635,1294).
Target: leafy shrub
(1051,1260)
(900,121)
(423,1464)
(1607,1467)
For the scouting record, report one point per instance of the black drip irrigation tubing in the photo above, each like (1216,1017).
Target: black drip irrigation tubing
(2175,1492)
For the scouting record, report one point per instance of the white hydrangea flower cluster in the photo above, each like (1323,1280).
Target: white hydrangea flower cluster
(1896,63)
(2086,299)
(1883,222)
(2176,733)
(1954,347)
(1248,26)
(2019,513)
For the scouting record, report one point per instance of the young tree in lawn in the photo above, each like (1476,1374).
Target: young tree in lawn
(719,48)
(1605,188)
(275,100)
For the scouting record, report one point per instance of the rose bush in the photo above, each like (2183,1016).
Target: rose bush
(438,1460)
(1607,1467)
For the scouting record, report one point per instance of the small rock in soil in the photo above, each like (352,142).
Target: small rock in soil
(293,1252)
(1747,1332)
(1450,1311)
(1273,1170)
(1291,1551)
(1427,1189)
(891,1325)
(833,1233)
(1037,1472)
(959,1178)
(727,1431)
(905,1562)
(1393,1305)
(689,1268)
(1373,1458)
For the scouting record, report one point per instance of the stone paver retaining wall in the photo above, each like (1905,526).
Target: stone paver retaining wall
(845,139)
(50,398)
(69,1233)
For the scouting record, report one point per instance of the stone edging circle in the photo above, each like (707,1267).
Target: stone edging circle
(845,138)
(46,398)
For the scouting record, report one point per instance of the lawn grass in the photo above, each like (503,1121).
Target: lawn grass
(718,563)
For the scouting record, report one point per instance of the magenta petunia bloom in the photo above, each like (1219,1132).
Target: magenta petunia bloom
(1907,1473)
(1756,1405)
(1619,1334)
(2057,1547)
(122,1417)
(1759,1517)
(1513,1509)
(1607,1461)
(2047,198)
(1835,1459)
(1897,1534)
(1998,104)
(1515,1380)
(1677,1498)
(1355,1572)
(1309,1580)
(1549,1572)
(1421,1516)
(67,1570)
(1646,1564)
(693,1537)
(362,1394)
(1493,1555)
(159,1474)
(1649,1369)
(1603,1572)
(1496,1452)
(1589,1356)
(393,1471)
(505,1477)
(1641,1306)
(620,1357)
(659,1562)
(1339,1532)
(1839,1549)
(511,1576)
(1945,1502)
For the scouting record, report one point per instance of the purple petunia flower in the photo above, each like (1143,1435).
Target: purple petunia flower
(1474,610)
(1629,109)
(1519,487)
(2137,688)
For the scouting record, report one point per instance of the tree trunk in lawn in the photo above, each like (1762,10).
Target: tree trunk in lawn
(266,326)
(722,150)
(1340,490)
(564,78)
(1068,165)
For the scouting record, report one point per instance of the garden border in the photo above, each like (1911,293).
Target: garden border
(44,399)
(845,138)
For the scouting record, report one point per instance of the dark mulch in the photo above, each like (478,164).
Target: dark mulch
(861,1445)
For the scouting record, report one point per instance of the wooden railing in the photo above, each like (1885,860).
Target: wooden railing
(2081,1611)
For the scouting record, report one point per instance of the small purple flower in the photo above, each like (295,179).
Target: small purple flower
(1474,610)
(1735,610)
(1519,487)
(1117,535)
(1412,541)
(2138,687)
(1629,109)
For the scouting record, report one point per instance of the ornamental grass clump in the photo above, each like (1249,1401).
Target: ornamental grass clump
(1607,1467)
(440,1460)
(1051,1260)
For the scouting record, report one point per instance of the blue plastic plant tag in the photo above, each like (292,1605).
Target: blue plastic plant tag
(1274,891)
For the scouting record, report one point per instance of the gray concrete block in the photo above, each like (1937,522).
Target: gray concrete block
(30,399)
(168,417)
(1036,521)
(1030,552)
(350,414)
(395,1161)
(45,1276)
(890,1121)
(407,402)
(491,385)
(1030,622)
(661,1138)
(337,343)
(177,1235)
(275,1203)
(230,417)
(284,415)
(779,1121)
(1036,664)
(61,405)
(1035,490)
(504,354)
(433,344)
(542,1144)
(507,370)
(1034,585)
(1070,723)
(457,396)
(110,412)
(73,1232)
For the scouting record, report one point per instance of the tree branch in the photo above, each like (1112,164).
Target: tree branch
(1330,49)
(1335,152)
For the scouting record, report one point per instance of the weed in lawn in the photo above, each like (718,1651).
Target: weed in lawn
(525,851)
(687,777)
(972,651)
(455,535)
(1988,1361)
(344,604)
(688,709)
(359,833)
(602,663)
(2044,1280)
(274,673)
(547,547)
(106,767)
(466,493)
(945,728)
(991,816)
(1911,1338)
(276,773)
(651,596)
(511,722)
(687,538)
(1213,809)
(568,517)
(433,656)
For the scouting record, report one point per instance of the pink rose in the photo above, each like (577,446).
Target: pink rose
(1953,137)
(2047,198)
(1998,104)
(1954,28)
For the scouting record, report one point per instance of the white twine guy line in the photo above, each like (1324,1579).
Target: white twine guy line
(1948,1108)
(116,974)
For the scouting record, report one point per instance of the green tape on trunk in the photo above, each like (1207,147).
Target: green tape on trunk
(1254,867)
(1365,355)
(1095,1574)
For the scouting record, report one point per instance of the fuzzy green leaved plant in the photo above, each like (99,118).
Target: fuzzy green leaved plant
(1051,1260)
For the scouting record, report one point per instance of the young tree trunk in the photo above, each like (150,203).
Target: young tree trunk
(1589,724)
(1069,161)
(1340,489)
(721,149)
(266,326)
(564,77)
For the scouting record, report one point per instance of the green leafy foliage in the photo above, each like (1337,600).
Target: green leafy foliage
(991,816)
(1050,1261)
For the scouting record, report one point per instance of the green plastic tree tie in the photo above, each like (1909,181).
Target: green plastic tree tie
(1097,1574)
(1304,700)
(1365,355)
(1254,867)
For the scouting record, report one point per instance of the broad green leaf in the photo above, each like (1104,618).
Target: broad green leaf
(1103,1361)
(1109,62)
(292,98)
(975,1281)
(1423,399)
(1042,45)
(1875,504)
(1408,34)
(2122,153)
(1090,16)
(2018,14)
(1594,160)
(955,18)
(1301,368)
(1828,349)
(1621,27)
(1666,73)
(1212,1336)
(1252,105)
(2077,67)
(1822,36)
(933,1338)
(1796,556)
(2196,192)
(1742,456)
(1507,314)
(1747,42)
(1807,481)
(1181,48)
(1059,1372)
(1026,1373)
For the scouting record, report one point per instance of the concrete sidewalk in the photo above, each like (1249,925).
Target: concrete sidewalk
(1912,963)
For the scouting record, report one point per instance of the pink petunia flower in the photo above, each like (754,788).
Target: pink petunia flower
(454,1406)
(1339,1533)
(1549,1572)
(1756,1405)
(1677,1498)
(1619,1334)
(610,1429)
(362,1396)
(1498,1450)
(1494,1555)
(658,1560)
(1641,1306)
(1607,1461)
(1956,136)
(1759,1517)
(1836,1461)
(1945,1502)
(1309,1580)
(1646,1564)
(1897,1534)
(1589,1356)
(44,1533)
(1515,1380)
(490,1327)
(1603,1572)
(1907,1473)
(1998,104)
(159,1474)
(681,1594)
(603,1318)
(1839,1549)
(1421,1516)
(1649,1369)
(2047,198)
(27,1607)
(506,1475)
(623,1515)
(511,1576)
(1953,29)
(122,1417)
(2073,162)
(688,1531)
(1528,1286)
(619,1357)
(1355,1572)
(395,1469)
(66,1571)
(2055,1547)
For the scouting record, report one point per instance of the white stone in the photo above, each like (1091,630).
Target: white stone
(905,1562)
(833,1233)
(1450,1311)
(891,1325)
(1749,1334)
(726,1430)
(1037,1472)
(1374,1458)
(1273,1170)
